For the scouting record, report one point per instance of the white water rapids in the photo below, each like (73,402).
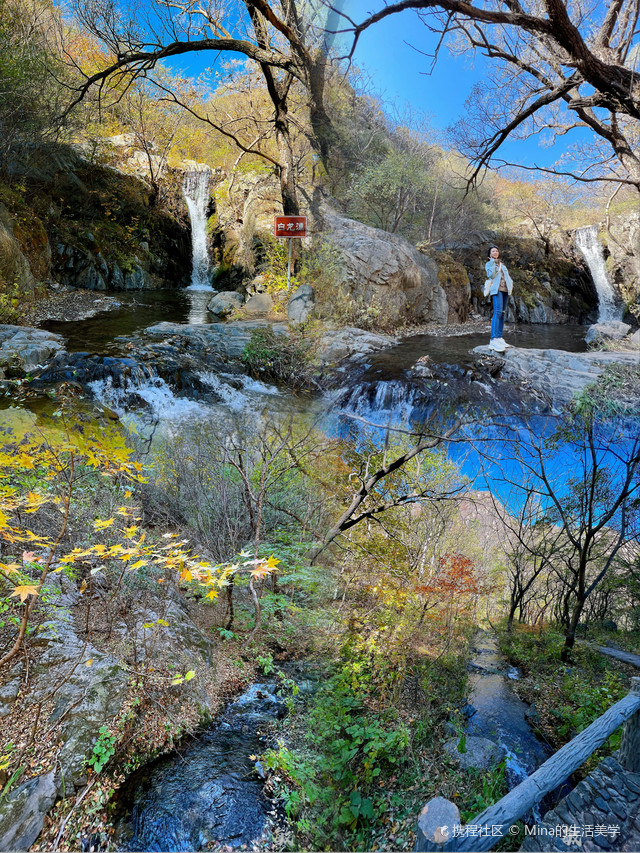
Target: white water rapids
(588,243)
(140,400)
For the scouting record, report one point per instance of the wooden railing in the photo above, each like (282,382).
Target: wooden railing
(499,817)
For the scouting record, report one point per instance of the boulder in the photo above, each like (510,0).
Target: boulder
(300,304)
(635,339)
(23,811)
(14,267)
(557,374)
(261,303)
(480,752)
(137,279)
(89,278)
(435,824)
(380,268)
(351,343)
(612,330)
(26,348)
(257,285)
(225,303)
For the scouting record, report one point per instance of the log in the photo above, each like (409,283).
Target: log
(629,756)
(499,817)
(435,825)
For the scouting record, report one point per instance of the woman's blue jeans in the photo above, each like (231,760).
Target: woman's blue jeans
(500,302)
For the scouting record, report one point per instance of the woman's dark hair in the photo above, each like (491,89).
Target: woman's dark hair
(491,248)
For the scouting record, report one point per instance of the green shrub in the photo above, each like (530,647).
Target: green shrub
(286,361)
(103,749)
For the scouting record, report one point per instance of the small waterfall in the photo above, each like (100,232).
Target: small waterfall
(236,393)
(196,195)
(141,396)
(378,405)
(145,393)
(588,243)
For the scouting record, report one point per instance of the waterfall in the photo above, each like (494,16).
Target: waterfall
(588,243)
(196,194)
(144,398)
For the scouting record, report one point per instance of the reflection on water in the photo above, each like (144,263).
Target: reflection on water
(456,350)
(136,311)
(199,297)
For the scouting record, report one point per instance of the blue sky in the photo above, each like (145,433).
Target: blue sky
(390,52)
(401,75)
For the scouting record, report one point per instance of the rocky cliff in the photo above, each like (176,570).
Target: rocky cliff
(82,224)
(549,287)
(622,249)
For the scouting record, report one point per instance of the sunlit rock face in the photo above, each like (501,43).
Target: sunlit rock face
(385,271)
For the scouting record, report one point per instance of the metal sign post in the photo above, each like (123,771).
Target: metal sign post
(290,227)
(289,265)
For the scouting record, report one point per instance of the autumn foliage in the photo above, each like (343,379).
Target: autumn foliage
(42,472)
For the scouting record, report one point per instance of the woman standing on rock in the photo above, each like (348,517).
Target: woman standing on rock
(499,285)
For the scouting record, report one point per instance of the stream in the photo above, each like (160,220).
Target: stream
(209,793)
(499,714)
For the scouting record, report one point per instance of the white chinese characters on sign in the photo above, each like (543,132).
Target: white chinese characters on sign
(290,226)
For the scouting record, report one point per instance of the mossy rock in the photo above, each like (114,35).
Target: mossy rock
(451,273)
(454,279)
(34,244)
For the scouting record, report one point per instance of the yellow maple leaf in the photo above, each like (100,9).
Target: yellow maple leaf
(24,591)
(138,564)
(102,525)
(259,572)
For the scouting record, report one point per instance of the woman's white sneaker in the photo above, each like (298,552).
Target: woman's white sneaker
(497,344)
(503,343)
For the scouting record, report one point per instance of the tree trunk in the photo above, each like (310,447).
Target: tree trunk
(323,130)
(570,633)
(286,170)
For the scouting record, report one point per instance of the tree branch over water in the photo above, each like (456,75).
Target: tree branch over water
(356,512)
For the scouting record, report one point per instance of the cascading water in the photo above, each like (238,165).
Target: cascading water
(196,194)
(588,243)
(142,396)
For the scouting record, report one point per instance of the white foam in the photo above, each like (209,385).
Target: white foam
(393,402)
(163,403)
(236,399)
(196,195)
(588,243)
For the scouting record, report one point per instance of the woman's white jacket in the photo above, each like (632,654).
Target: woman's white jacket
(493,272)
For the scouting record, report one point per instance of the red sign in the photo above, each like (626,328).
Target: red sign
(290,226)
